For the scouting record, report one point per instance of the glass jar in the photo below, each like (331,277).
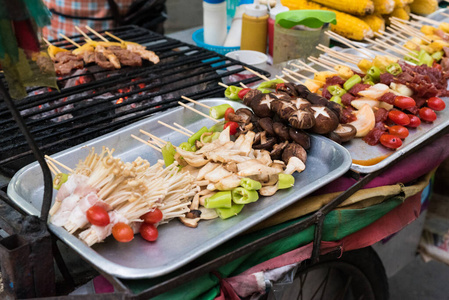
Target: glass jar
(298,42)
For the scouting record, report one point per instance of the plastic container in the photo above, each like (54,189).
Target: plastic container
(297,33)
(254,28)
(198,38)
(253,58)
(214,22)
(235,33)
(279,8)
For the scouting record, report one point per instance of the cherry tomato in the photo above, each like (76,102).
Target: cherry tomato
(152,217)
(399,117)
(148,232)
(232,127)
(243,92)
(122,232)
(97,215)
(399,131)
(279,85)
(404,102)
(414,121)
(427,114)
(227,112)
(390,141)
(436,103)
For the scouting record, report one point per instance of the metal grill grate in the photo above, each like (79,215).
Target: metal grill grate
(93,101)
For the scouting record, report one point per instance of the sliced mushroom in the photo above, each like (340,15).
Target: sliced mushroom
(277,150)
(295,150)
(336,108)
(194,213)
(346,132)
(281,131)
(250,96)
(294,164)
(261,105)
(302,119)
(325,119)
(267,125)
(268,190)
(300,137)
(208,213)
(289,89)
(192,223)
(265,143)
(242,115)
(302,91)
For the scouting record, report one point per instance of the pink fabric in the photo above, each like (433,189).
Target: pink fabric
(246,284)
(410,168)
(102,285)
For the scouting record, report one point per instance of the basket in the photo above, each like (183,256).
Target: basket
(198,38)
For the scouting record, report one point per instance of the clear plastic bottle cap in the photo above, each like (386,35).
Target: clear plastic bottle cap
(277,9)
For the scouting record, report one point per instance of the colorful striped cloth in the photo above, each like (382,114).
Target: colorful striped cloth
(66,14)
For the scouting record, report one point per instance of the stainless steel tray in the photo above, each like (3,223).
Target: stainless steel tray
(379,156)
(177,244)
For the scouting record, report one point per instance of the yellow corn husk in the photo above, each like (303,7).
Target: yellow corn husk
(444,26)
(358,8)
(383,7)
(427,29)
(424,7)
(376,22)
(348,26)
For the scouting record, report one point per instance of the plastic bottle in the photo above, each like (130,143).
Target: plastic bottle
(254,28)
(214,22)
(235,33)
(273,12)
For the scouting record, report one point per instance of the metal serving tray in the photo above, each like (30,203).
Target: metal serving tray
(377,157)
(177,244)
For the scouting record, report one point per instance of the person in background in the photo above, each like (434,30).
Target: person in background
(102,15)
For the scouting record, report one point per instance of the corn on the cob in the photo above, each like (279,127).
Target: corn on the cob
(424,7)
(407,9)
(358,8)
(376,22)
(402,3)
(383,7)
(347,25)
(398,12)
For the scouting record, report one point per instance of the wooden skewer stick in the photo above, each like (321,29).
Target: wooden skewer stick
(198,112)
(424,19)
(410,23)
(315,61)
(444,14)
(409,31)
(183,128)
(47,42)
(97,34)
(83,33)
(223,85)
(283,79)
(53,168)
(152,136)
(196,102)
(377,48)
(257,74)
(70,40)
(289,74)
(304,65)
(114,37)
(337,62)
(338,55)
(383,34)
(291,77)
(146,143)
(157,143)
(390,47)
(243,85)
(352,56)
(348,43)
(173,128)
(58,163)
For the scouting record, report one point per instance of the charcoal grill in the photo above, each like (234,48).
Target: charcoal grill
(93,101)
